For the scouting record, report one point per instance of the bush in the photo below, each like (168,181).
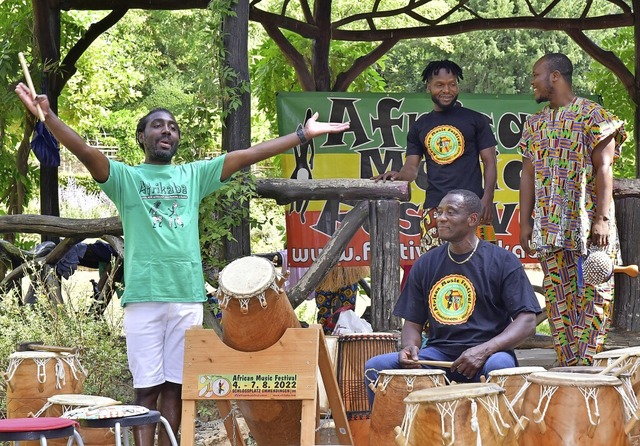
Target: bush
(102,354)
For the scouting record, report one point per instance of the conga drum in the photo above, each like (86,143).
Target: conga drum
(574,409)
(256,312)
(461,414)
(354,350)
(63,404)
(391,388)
(32,377)
(512,380)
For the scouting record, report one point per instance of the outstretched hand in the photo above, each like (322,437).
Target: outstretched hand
(24,94)
(314,128)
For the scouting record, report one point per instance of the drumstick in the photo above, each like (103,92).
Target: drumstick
(629,270)
(444,364)
(614,364)
(27,77)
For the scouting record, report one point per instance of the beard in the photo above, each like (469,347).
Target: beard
(164,155)
(544,97)
(445,107)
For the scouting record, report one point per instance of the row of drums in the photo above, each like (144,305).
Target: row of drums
(582,405)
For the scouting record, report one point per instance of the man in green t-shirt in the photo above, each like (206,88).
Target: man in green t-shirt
(158,204)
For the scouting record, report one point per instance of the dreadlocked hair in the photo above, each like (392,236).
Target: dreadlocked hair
(435,66)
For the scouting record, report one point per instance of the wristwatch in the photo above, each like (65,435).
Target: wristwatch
(301,135)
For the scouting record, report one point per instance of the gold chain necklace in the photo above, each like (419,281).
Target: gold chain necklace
(465,260)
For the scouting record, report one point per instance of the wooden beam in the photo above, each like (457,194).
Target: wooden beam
(287,191)
(330,255)
(89,5)
(60,227)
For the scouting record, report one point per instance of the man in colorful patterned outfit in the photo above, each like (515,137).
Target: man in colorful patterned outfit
(568,149)
(158,203)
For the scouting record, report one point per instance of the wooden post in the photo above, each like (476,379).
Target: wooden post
(385,263)
(626,304)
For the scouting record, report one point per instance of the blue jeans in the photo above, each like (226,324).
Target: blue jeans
(389,361)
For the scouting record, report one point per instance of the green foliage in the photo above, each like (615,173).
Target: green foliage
(493,61)
(221,211)
(16,25)
(271,72)
(268,232)
(616,98)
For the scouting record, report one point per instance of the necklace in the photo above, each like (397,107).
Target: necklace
(468,258)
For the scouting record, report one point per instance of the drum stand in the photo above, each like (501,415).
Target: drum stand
(285,371)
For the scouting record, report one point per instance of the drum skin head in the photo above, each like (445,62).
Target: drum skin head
(573,379)
(76,399)
(412,372)
(36,354)
(246,277)
(632,351)
(511,371)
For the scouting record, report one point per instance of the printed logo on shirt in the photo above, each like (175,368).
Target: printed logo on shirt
(445,144)
(452,300)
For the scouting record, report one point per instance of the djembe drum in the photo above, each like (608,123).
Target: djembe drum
(255,314)
(34,376)
(627,386)
(63,404)
(460,414)
(391,388)
(512,380)
(354,350)
(574,409)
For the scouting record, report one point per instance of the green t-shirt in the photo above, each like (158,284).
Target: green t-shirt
(159,206)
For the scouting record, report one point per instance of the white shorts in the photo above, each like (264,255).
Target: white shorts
(155,340)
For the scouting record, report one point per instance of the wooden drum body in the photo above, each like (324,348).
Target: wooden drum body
(512,380)
(32,377)
(59,405)
(391,388)
(574,409)
(354,350)
(460,414)
(256,312)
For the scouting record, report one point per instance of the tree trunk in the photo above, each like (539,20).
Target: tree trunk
(236,133)
(47,35)
(626,307)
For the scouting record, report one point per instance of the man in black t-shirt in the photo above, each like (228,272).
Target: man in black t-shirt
(475,296)
(452,139)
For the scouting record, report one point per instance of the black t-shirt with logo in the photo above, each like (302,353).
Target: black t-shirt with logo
(451,142)
(466,304)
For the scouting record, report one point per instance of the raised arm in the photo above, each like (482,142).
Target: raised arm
(95,161)
(239,159)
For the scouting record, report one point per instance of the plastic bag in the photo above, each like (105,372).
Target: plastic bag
(349,322)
